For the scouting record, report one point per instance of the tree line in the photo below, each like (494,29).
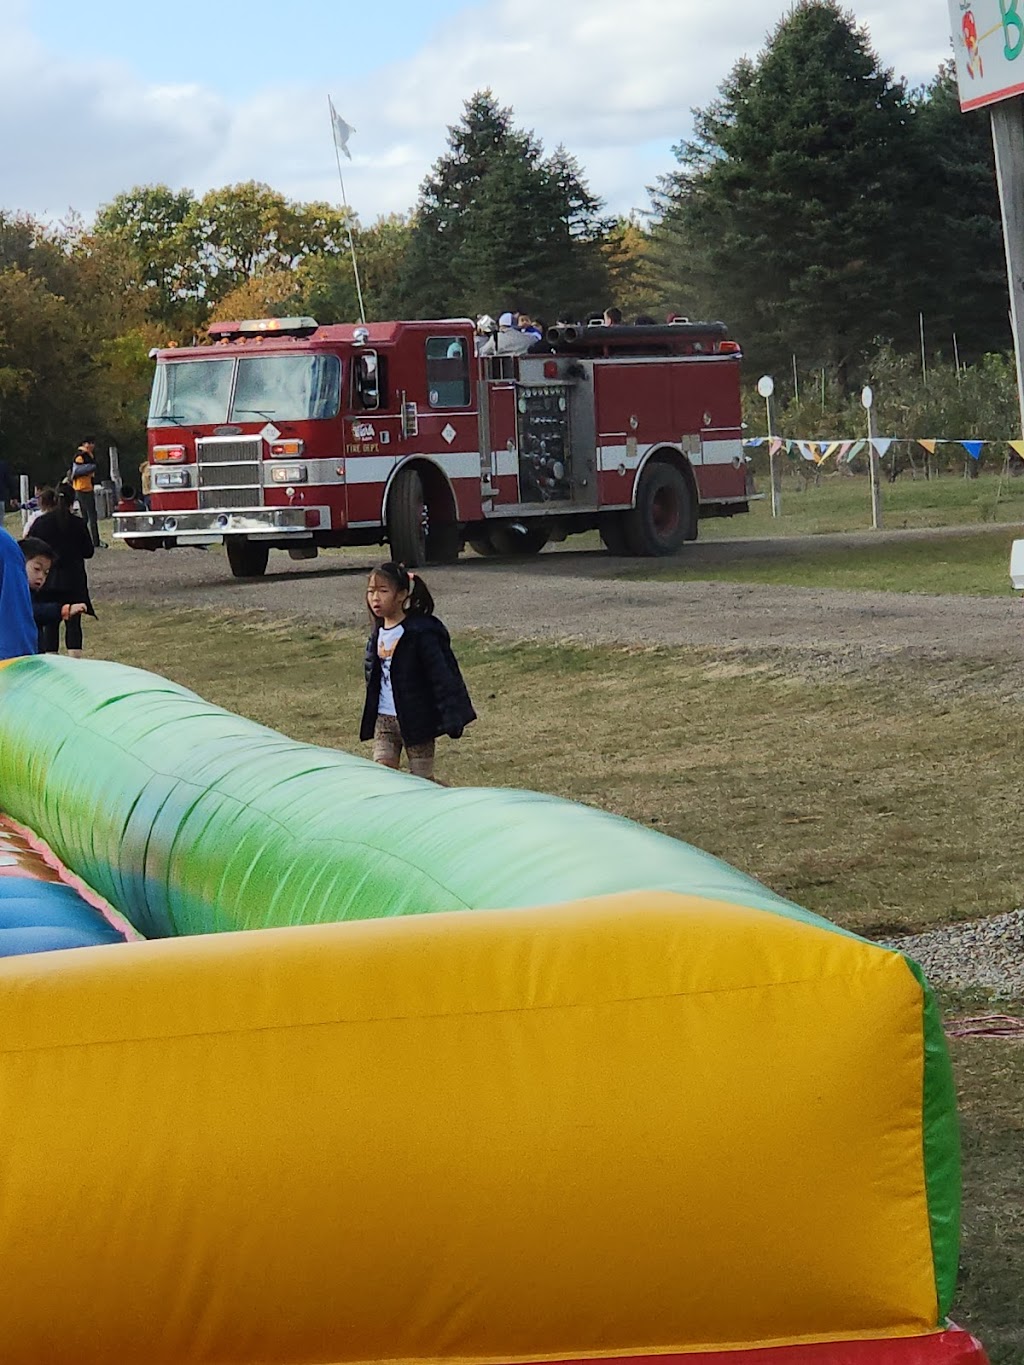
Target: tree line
(821,207)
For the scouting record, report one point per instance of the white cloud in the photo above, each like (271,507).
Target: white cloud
(615,82)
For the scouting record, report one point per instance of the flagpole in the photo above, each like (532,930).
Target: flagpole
(348,215)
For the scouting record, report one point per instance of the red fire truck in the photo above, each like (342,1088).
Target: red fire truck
(281,434)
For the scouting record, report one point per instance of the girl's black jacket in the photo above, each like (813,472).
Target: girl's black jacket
(431,698)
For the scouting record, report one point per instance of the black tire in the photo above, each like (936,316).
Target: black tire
(663,517)
(518,544)
(612,531)
(407,520)
(248,558)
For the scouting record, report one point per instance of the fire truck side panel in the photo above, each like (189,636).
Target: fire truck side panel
(706,400)
(633,410)
(501,434)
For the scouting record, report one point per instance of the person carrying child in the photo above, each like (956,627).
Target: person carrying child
(414,689)
(39,560)
(68,536)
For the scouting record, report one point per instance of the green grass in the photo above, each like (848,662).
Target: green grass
(976,563)
(843,503)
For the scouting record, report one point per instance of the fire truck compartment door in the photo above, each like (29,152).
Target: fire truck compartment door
(499,466)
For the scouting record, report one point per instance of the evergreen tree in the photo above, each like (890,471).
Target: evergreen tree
(961,277)
(792,212)
(499,226)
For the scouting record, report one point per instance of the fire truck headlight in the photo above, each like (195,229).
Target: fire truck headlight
(171,478)
(289,473)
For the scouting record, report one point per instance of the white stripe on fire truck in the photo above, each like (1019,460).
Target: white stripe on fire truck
(610,457)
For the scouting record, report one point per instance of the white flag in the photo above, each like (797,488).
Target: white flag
(342,132)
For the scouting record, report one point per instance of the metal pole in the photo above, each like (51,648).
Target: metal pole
(23,499)
(796,380)
(1008,140)
(772,473)
(924,363)
(348,216)
(874,465)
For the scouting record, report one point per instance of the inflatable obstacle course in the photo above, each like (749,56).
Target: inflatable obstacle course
(505,1079)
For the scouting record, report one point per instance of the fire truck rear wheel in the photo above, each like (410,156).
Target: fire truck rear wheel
(407,520)
(248,558)
(662,518)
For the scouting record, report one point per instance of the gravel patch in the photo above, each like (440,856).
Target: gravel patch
(986,953)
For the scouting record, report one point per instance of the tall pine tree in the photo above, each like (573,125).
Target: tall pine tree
(791,214)
(500,226)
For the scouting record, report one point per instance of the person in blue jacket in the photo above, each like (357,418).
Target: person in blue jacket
(17,624)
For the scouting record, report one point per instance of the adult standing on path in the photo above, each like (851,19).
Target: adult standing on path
(17,624)
(69,538)
(83,479)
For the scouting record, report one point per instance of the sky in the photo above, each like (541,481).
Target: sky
(203,93)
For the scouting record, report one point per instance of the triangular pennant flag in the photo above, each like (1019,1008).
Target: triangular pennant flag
(807,450)
(856,449)
(844,451)
(973,448)
(831,449)
(929,446)
(791,449)
(882,444)
(754,441)
(778,443)
(1018,448)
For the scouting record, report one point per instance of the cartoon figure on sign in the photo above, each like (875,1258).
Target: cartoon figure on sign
(970,35)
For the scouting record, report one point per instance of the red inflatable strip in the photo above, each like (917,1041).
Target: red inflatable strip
(952,1347)
(23,854)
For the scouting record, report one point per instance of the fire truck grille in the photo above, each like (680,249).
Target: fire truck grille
(229,475)
(229,472)
(230,450)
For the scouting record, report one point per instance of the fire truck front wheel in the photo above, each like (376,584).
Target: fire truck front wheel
(663,515)
(247,558)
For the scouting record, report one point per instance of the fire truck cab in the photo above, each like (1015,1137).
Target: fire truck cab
(282,434)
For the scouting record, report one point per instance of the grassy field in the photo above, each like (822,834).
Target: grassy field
(884,802)
(843,503)
(976,563)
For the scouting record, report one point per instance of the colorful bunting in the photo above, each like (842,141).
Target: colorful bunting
(929,446)
(776,445)
(1018,448)
(973,448)
(882,444)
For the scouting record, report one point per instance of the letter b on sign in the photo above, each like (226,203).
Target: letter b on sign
(1013,30)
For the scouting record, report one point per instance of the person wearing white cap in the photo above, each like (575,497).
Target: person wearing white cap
(509,339)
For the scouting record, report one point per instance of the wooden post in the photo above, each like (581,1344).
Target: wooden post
(1008,139)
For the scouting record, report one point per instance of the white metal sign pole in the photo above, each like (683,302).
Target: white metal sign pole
(867,399)
(1008,137)
(766,387)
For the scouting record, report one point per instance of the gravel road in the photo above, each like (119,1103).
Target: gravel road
(580,595)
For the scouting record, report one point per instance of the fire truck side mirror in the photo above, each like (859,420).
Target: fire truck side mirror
(368,380)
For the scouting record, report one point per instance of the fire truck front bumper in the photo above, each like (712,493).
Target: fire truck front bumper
(193,528)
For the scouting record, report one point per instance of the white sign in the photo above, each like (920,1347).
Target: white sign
(988,40)
(766,386)
(867,397)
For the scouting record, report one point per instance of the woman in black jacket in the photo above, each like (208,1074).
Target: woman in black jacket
(68,583)
(414,689)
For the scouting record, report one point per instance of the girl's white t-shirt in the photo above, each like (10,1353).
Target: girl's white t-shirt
(387,641)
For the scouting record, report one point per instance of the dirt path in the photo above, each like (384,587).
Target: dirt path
(575,595)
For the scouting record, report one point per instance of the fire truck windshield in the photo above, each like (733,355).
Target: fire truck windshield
(208,392)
